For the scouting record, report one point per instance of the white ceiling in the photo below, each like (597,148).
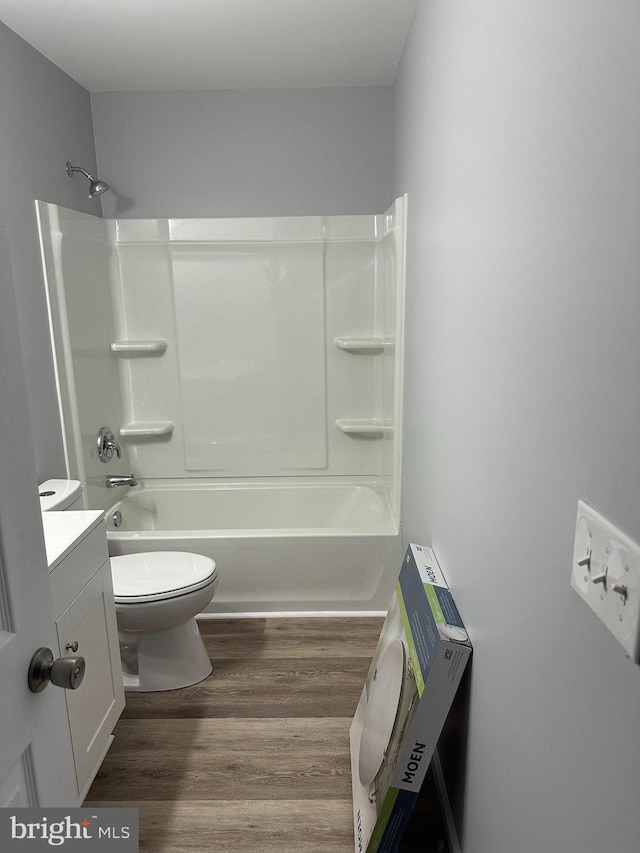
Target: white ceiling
(146,45)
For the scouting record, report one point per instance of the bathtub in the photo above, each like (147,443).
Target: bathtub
(294,547)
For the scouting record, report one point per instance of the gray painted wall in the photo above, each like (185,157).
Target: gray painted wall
(281,152)
(517,141)
(45,120)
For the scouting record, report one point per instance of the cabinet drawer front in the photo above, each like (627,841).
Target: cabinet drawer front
(78,567)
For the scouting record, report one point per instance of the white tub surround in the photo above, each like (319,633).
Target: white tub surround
(258,339)
(237,355)
(76,263)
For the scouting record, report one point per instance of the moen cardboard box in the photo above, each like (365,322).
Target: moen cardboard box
(419,660)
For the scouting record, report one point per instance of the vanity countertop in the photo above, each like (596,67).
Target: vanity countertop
(63,531)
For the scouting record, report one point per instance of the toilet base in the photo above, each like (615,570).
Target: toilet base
(163,660)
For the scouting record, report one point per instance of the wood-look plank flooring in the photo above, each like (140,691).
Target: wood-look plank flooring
(256,757)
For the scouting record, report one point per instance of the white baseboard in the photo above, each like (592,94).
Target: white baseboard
(452,835)
(295,614)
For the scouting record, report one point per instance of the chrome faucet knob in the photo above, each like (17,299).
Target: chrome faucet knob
(113,446)
(107,445)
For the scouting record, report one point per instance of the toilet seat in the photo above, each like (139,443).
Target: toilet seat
(159,575)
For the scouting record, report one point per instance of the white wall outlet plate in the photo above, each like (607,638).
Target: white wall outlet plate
(606,574)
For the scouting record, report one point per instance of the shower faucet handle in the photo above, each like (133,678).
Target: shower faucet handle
(107,445)
(112,446)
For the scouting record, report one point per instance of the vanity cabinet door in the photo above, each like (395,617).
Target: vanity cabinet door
(96,705)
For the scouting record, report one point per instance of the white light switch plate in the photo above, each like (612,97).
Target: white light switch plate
(606,574)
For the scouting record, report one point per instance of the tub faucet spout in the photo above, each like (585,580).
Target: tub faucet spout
(114,480)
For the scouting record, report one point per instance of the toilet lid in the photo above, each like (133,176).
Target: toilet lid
(159,574)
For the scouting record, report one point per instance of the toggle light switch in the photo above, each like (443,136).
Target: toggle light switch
(606,575)
(622,590)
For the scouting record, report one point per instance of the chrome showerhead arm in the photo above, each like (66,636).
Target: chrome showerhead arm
(97,186)
(71,169)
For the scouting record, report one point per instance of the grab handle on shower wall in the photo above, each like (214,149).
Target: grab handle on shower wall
(107,445)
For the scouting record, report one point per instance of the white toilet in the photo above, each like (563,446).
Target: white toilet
(157,595)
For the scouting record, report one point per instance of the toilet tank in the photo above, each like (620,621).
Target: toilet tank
(60,495)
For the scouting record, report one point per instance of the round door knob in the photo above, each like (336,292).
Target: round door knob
(64,672)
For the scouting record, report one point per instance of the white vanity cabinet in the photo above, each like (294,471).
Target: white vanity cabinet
(82,591)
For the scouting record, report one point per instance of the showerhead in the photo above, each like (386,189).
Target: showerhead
(97,187)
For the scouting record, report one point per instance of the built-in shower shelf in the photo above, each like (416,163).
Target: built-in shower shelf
(364,345)
(128,349)
(137,431)
(369,427)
